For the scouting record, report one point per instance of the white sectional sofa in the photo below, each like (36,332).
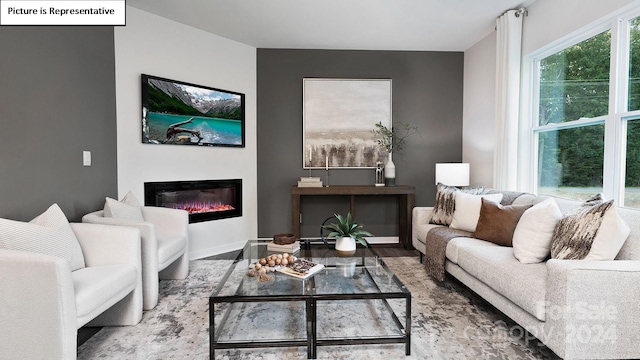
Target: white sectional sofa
(580,309)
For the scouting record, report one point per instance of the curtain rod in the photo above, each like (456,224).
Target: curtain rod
(522,11)
(519,12)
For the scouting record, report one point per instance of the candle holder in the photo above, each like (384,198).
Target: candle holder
(379,174)
(326,166)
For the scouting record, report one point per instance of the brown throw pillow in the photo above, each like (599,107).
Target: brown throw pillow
(444,207)
(497,223)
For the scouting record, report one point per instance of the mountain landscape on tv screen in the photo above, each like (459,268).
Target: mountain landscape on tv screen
(169,97)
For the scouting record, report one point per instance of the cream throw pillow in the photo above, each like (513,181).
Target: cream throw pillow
(131,199)
(533,234)
(467,211)
(48,234)
(128,208)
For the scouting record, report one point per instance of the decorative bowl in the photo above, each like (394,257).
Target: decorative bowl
(284,239)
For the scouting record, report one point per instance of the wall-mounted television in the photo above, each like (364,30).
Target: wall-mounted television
(180,113)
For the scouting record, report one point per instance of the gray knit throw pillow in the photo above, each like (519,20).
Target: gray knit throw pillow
(574,234)
(444,207)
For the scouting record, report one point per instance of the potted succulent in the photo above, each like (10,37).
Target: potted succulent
(346,232)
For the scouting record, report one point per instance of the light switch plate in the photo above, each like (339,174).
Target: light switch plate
(86,158)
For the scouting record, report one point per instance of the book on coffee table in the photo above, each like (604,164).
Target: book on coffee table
(290,248)
(300,268)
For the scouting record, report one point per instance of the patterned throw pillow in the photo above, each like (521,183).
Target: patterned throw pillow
(445,202)
(48,234)
(594,231)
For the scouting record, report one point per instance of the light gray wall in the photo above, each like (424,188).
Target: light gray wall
(427,93)
(57,98)
(479,110)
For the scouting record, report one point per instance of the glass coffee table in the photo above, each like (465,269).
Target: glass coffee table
(353,300)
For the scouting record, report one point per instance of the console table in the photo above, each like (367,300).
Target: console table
(405,197)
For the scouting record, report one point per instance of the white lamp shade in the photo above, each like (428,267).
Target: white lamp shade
(452,174)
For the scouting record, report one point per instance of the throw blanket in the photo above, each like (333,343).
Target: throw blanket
(438,238)
(435,257)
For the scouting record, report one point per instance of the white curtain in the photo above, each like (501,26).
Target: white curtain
(509,43)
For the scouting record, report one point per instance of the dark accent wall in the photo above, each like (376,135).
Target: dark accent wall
(427,93)
(57,98)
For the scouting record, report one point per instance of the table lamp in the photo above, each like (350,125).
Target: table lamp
(452,174)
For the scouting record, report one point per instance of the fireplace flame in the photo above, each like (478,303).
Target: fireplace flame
(197,207)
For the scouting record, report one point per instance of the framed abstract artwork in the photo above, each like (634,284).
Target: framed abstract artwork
(339,116)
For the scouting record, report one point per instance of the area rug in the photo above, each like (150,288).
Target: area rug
(448,322)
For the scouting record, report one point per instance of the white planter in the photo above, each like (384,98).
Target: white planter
(346,246)
(347,266)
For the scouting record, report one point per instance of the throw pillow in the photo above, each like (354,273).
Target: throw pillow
(467,211)
(594,231)
(48,234)
(130,199)
(445,202)
(532,236)
(116,209)
(612,234)
(497,222)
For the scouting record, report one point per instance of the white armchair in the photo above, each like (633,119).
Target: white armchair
(165,245)
(44,303)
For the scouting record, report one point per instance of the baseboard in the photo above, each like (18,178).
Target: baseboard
(216,250)
(375,240)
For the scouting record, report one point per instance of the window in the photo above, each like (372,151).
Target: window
(634,65)
(632,168)
(585,116)
(573,86)
(563,170)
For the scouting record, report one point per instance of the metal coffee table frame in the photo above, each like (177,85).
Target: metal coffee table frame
(311,300)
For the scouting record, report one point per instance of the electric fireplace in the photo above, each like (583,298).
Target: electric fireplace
(205,200)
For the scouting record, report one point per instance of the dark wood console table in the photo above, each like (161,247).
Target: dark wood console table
(404,194)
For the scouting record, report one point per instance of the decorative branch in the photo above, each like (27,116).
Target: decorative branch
(392,139)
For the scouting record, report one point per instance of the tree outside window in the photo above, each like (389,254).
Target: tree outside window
(574,106)
(574,84)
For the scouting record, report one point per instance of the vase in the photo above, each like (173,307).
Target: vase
(390,172)
(345,246)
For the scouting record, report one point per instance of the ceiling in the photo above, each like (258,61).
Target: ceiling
(422,25)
